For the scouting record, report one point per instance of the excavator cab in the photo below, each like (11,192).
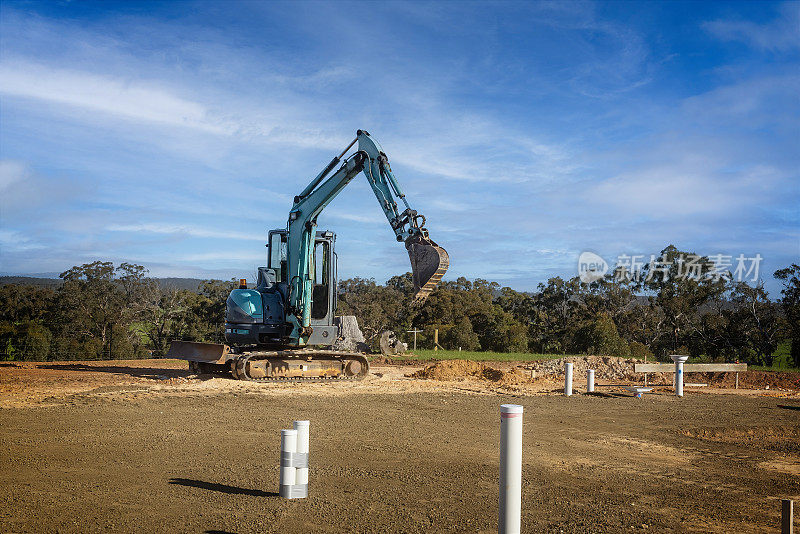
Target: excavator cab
(257,316)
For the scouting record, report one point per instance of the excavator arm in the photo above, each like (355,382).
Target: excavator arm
(429,262)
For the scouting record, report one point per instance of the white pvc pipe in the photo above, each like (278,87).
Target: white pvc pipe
(301,459)
(510,469)
(567,379)
(288,477)
(678,359)
(590,380)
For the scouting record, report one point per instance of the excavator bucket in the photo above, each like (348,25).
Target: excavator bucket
(429,262)
(199,352)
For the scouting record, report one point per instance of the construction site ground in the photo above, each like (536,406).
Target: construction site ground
(146,446)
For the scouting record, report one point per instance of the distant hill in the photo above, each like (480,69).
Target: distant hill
(180,283)
(177,283)
(31,281)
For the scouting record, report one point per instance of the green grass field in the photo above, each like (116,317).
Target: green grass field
(431,355)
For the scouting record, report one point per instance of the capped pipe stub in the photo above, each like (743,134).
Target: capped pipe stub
(288,440)
(678,358)
(510,409)
(302,428)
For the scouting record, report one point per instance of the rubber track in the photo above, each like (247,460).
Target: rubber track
(238,366)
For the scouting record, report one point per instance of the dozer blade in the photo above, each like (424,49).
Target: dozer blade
(429,262)
(199,352)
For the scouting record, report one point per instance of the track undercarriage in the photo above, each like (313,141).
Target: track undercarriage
(259,365)
(299,365)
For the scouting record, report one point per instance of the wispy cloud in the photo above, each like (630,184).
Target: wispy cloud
(355,217)
(182,230)
(781,34)
(12,241)
(11,172)
(693,188)
(130,99)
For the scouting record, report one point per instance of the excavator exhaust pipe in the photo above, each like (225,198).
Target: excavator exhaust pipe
(429,262)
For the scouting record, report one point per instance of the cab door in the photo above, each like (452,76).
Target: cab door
(321,291)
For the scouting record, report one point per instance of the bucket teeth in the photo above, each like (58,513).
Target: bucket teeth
(429,262)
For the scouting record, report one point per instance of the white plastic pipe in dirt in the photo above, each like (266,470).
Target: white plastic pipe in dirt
(288,477)
(567,379)
(510,469)
(300,489)
(679,361)
(590,380)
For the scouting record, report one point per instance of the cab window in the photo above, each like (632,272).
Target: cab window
(277,255)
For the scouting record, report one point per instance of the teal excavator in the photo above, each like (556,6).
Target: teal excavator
(284,328)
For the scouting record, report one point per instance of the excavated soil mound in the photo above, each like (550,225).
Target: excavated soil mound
(606,367)
(749,379)
(449,370)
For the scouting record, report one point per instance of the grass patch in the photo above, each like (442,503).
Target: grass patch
(424,355)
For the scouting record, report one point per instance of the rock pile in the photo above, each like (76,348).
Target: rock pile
(606,367)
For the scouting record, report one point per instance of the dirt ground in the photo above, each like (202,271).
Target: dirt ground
(145,446)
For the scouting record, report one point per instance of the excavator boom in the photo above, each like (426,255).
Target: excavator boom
(429,262)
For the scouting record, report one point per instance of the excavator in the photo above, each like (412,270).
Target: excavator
(284,327)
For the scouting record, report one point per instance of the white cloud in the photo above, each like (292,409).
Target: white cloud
(764,101)
(779,35)
(11,171)
(367,219)
(450,205)
(476,149)
(696,187)
(11,240)
(183,230)
(227,257)
(131,99)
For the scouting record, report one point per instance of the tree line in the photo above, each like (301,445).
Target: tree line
(655,314)
(103,311)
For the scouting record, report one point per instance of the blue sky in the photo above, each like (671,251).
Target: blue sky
(175,134)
